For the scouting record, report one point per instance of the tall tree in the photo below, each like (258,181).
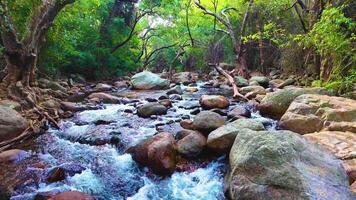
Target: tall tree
(21,54)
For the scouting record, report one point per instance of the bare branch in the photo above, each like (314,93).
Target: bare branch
(138,17)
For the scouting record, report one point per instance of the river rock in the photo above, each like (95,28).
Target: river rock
(261,80)
(104,97)
(252,89)
(191,89)
(175,97)
(214,101)
(56,174)
(102,87)
(283,165)
(12,124)
(166,102)
(120,84)
(341,144)
(275,104)
(148,81)
(149,109)
(239,112)
(241,81)
(175,90)
(186,124)
(72,195)
(287,82)
(275,83)
(157,153)
(310,113)
(221,139)
(184,77)
(13,156)
(192,144)
(73,107)
(207,121)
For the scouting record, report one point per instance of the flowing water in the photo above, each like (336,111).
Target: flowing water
(91,148)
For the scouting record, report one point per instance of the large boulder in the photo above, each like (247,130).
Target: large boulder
(252,89)
(222,139)
(157,152)
(283,165)
(207,121)
(261,80)
(12,124)
(192,144)
(214,101)
(310,113)
(276,104)
(148,81)
(341,144)
(150,109)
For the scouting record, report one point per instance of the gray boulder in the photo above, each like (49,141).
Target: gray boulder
(148,81)
(150,109)
(261,80)
(283,165)
(275,104)
(207,121)
(222,139)
(192,144)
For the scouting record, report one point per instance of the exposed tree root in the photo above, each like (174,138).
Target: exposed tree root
(38,117)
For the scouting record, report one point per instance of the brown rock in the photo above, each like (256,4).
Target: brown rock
(341,144)
(214,101)
(166,102)
(12,124)
(192,144)
(186,124)
(239,112)
(310,113)
(72,195)
(56,174)
(191,89)
(73,107)
(102,87)
(13,155)
(157,153)
(106,98)
(252,90)
(207,121)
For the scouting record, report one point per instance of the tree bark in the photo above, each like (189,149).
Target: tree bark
(21,55)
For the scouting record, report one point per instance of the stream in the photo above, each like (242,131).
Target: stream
(91,148)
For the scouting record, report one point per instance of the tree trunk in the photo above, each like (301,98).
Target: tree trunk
(20,67)
(21,55)
(242,68)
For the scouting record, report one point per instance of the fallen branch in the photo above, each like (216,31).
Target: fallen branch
(237,94)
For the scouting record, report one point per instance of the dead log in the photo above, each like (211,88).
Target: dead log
(221,71)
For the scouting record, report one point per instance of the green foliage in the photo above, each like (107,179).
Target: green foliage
(75,44)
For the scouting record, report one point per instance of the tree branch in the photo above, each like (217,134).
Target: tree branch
(7,30)
(138,17)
